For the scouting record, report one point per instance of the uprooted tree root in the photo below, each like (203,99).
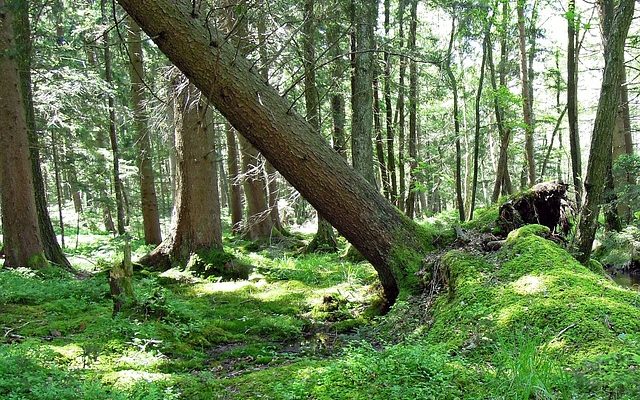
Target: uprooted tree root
(545,204)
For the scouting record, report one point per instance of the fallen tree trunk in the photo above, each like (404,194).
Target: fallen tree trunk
(393,244)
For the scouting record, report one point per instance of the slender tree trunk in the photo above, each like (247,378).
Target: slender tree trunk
(22,31)
(324,239)
(271,173)
(413,112)
(526,97)
(150,214)
(572,104)
(56,171)
(502,169)
(366,12)
(604,124)
(338,113)
(22,243)
(113,138)
(393,244)
(456,123)
(391,163)
(400,108)
(377,127)
(476,139)
(235,188)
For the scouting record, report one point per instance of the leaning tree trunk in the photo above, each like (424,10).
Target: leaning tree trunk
(604,124)
(52,249)
(150,214)
(196,220)
(21,234)
(393,244)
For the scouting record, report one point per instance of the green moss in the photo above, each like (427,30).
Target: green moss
(484,219)
(595,267)
(527,230)
(218,263)
(38,261)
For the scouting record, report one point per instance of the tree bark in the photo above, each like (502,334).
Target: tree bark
(526,97)
(456,123)
(113,138)
(476,139)
(413,112)
(196,220)
(366,12)
(572,105)
(400,108)
(22,32)
(391,163)
(150,214)
(502,170)
(324,239)
(22,242)
(235,188)
(604,124)
(393,244)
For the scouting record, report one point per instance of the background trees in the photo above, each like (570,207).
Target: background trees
(450,132)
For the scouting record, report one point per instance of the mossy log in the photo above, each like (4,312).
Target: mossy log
(545,204)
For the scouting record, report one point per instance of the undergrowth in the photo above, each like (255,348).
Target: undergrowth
(526,322)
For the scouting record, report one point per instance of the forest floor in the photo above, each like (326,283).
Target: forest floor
(525,322)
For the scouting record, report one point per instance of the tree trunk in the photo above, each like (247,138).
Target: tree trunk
(572,105)
(150,214)
(366,12)
(56,172)
(235,188)
(271,174)
(456,123)
(413,112)
(196,220)
(502,169)
(476,139)
(377,127)
(338,113)
(622,141)
(391,163)
(113,138)
(400,107)
(324,239)
(604,124)
(22,32)
(21,233)
(526,97)
(393,244)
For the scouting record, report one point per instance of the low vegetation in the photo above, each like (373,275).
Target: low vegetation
(524,322)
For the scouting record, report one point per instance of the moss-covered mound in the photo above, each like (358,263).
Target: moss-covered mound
(529,322)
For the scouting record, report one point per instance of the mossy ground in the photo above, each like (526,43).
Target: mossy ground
(527,322)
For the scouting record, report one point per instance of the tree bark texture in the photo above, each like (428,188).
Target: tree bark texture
(391,163)
(393,244)
(366,12)
(413,112)
(21,233)
(113,137)
(604,124)
(22,31)
(150,214)
(572,105)
(526,97)
(235,187)
(196,220)
(324,239)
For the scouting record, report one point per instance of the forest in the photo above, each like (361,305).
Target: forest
(337,199)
